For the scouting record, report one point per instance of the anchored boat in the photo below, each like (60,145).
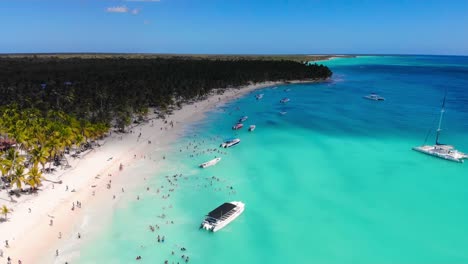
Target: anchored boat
(238,126)
(259,96)
(222,216)
(374,97)
(210,163)
(229,143)
(242,119)
(439,150)
(251,128)
(284,100)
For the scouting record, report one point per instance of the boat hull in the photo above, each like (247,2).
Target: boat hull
(210,163)
(229,144)
(454,156)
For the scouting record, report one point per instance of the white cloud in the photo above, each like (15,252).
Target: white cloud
(135,11)
(117,9)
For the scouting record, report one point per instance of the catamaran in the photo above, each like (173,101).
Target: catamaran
(210,163)
(222,216)
(230,142)
(374,97)
(439,150)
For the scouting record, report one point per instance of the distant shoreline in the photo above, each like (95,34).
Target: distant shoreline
(291,57)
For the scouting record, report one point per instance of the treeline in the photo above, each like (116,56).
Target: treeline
(105,89)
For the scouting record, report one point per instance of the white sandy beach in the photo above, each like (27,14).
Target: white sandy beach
(30,236)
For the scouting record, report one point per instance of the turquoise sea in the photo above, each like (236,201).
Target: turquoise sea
(334,180)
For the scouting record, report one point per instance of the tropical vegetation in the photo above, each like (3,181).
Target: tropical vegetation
(51,106)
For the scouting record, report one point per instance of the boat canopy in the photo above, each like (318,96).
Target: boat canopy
(221,210)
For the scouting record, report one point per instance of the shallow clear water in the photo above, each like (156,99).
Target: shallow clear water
(334,180)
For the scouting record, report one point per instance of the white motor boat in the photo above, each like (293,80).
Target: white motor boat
(439,150)
(284,100)
(252,128)
(259,96)
(374,97)
(229,143)
(238,126)
(222,216)
(210,163)
(242,119)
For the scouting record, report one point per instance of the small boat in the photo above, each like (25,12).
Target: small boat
(230,142)
(242,119)
(238,126)
(439,150)
(210,163)
(283,112)
(284,100)
(222,216)
(251,128)
(374,97)
(259,96)
(287,90)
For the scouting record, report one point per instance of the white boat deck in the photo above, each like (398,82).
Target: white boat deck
(442,151)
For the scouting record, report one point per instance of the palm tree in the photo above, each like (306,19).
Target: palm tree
(17,178)
(5,211)
(40,155)
(10,161)
(34,178)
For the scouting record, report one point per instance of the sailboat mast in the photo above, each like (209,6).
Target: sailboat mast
(442,111)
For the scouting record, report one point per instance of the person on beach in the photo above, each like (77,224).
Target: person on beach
(56,253)
(60,235)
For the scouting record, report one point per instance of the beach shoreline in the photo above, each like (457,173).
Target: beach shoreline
(37,221)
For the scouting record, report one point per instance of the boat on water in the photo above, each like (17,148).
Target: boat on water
(252,128)
(259,96)
(242,119)
(230,142)
(284,100)
(210,163)
(287,90)
(283,112)
(440,150)
(374,97)
(222,216)
(238,126)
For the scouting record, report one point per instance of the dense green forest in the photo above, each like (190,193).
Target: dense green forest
(101,89)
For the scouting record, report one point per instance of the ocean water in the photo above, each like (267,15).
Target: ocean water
(334,180)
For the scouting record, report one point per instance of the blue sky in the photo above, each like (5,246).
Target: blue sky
(239,26)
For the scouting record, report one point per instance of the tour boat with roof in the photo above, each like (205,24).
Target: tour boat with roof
(238,126)
(230,142)
(222,216)
(374,97)
(440,150)
(210,163)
